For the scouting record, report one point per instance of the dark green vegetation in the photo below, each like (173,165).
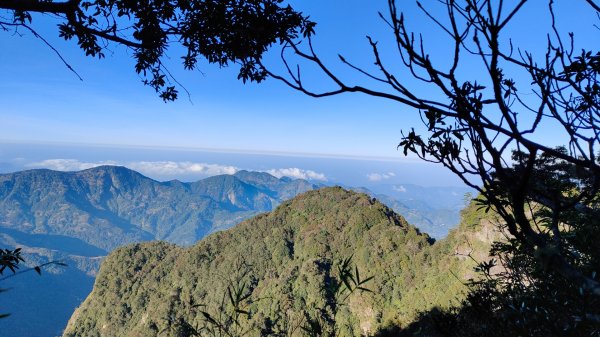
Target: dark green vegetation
(286,259)
(532,296)
(220,32)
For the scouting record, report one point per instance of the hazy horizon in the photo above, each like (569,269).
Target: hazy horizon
(188,164)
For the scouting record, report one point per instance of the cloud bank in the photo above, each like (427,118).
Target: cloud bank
(294,172)
(172,168)
(380,176)
(146,167)
(177,168)
(67,164)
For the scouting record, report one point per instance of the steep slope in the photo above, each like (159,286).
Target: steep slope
(449,263)
(290,254)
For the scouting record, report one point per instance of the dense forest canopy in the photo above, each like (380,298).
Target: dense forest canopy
(288,262)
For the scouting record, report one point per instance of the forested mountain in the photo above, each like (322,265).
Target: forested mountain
(109,206)
(286,259)
(78,217)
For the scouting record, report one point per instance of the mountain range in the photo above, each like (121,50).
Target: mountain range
(110,206)
(79,217)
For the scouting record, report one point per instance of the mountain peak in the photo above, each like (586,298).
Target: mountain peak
(119,174)
(292,248)
(255,176)
(111,168)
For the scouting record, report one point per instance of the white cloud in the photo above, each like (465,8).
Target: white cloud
(163,169)
(380,176)
(145,167)
(67,164)
(294,172)
(399,188)
(175,168)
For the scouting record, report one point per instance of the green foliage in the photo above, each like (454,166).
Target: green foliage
(227,319)
(220,32)
(324,321)
(520,291)
(291,251)
(522,300)
(10,259)
(231,316)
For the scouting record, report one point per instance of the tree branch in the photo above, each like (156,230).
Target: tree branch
(40,6)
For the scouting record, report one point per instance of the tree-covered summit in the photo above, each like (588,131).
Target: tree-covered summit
(285,257)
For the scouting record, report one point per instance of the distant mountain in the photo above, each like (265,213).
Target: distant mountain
(434,210)
(286,258)
(78,217)
(109,206)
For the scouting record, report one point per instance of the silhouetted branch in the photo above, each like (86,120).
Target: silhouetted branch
(473,132)
(48,44)
(37,269)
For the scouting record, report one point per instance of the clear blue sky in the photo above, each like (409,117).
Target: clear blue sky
(42,102)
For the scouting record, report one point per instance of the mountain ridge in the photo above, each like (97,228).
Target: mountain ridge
(78,217)
(310,231)
(98,209)
(110,193)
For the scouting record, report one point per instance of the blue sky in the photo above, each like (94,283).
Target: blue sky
(44,105)
(43,101)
